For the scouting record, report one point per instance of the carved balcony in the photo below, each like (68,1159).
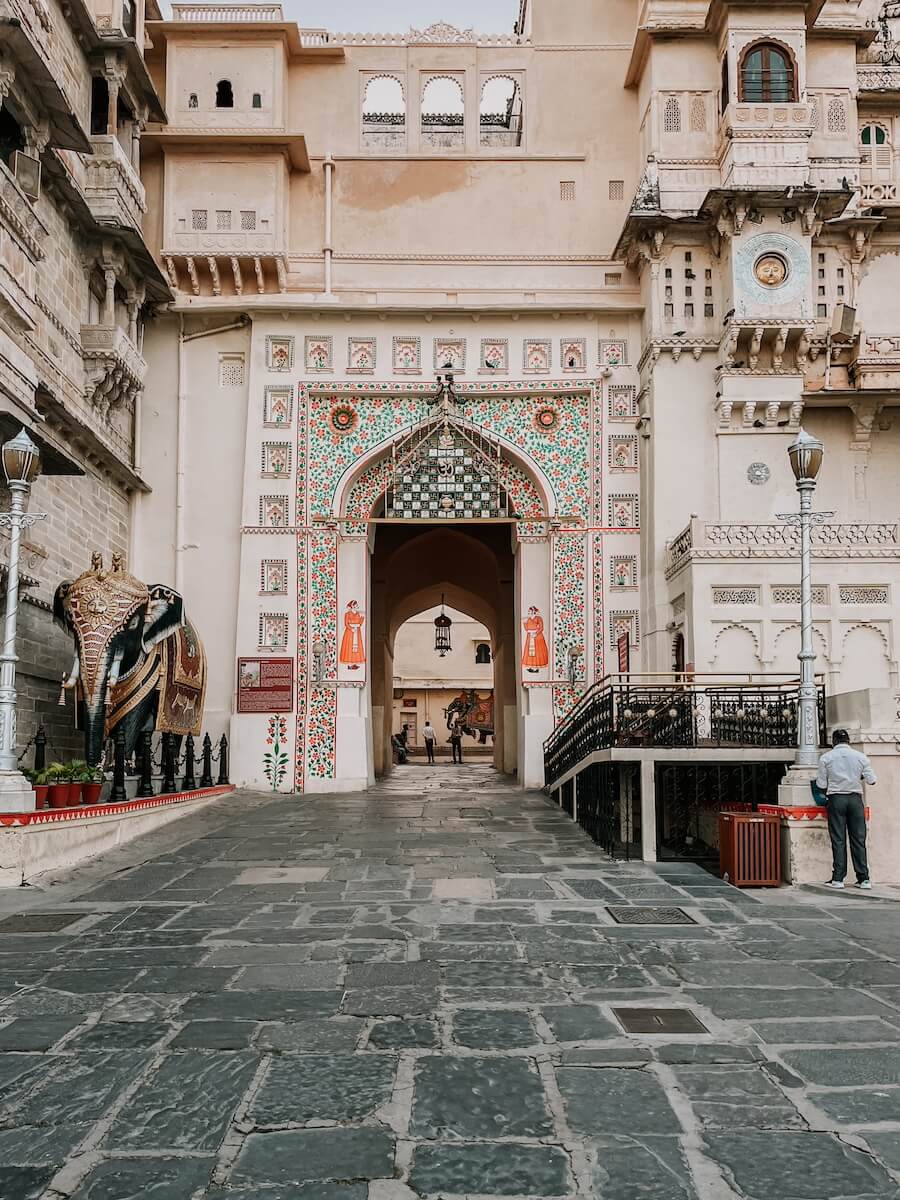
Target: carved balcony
(112,186)
(114,369)
(22,239)
(876,364)
(765,145)
(226,270)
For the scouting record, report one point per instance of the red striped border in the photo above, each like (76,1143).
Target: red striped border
(52,816)
(801,813)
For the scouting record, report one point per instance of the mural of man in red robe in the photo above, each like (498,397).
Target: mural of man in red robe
(535,655)
(352,653)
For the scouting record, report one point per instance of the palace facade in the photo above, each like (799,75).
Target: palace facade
(524,321)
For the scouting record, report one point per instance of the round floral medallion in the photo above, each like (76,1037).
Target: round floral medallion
(343,418)
(546,419)
(758,473)
(771,270)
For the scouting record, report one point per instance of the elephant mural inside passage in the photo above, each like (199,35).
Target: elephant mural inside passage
(138,660)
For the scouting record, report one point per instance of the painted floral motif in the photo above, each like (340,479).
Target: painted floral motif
(623,572)
(569,579)
(279,353)
(546,419)
(622,403)
(321,609)
(273,574)
(275,759)
(623,622)
(623,453)
(277,406)
(449,354)
(273,511)
(361,355)
(276,459)
(318,353)
(273,631)
(612,353)
(495,354)
(536,355)
(573,354)
(343,418)
(623,512)
(407,354)
(597,629)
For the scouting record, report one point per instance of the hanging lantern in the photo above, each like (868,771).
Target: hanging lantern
(442,627)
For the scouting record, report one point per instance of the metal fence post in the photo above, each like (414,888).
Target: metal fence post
(223,760)
(206,778)
(188,782)
(168,765)
(40,749)
(118,792)
(145,758)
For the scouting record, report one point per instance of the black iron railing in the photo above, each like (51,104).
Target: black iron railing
(677,714)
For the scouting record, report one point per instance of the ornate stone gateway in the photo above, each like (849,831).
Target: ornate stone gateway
(512,498)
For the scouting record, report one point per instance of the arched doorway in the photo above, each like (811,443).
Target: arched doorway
(472,567)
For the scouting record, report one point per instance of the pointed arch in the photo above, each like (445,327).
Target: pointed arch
(365,475)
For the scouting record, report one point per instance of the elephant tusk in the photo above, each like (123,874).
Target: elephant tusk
(74,675)
(115,668)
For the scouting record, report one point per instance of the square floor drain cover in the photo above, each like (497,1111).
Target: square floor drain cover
(658,1020)
(650,916)
(39,922)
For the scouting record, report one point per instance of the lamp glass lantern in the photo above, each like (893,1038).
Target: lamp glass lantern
(806,457)
(21,459)
(442,627)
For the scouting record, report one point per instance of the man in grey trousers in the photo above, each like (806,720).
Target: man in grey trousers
(841,774)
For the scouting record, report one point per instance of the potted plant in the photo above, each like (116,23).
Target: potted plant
(74,769)
(38,780)
(58,780)
(91,779)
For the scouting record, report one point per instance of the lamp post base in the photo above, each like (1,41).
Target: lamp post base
(16,793)
(794,791)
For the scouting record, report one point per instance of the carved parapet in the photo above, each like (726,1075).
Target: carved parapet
(112,186)
(114,370)
(876,365)
(765,144)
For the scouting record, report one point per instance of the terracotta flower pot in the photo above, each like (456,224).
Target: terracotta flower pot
(40,794)
(90,793)
(74,794)
(58,795)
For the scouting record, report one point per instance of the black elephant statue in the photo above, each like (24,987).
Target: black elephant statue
(138,660)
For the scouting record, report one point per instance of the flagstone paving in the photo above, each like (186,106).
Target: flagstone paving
(418,993)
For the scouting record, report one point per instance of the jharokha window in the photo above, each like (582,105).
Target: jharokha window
(767,75)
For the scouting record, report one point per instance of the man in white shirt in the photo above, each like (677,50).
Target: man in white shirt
(841,774)
(429,737)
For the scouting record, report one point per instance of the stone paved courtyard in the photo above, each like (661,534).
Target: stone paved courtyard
(420,993)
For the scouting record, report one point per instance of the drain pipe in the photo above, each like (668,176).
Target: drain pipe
(181,435)
(329,222)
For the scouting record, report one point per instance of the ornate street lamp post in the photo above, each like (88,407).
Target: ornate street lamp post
(806,455)
(21,466)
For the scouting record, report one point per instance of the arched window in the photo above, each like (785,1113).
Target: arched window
(224,94)
(443,113)
(384,113)
(875,154)
(768,75)
(193,102)
(726,84)
(500,114)
(482,654)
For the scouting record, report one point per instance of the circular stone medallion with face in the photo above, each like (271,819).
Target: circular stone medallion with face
(758,473)
(771,270)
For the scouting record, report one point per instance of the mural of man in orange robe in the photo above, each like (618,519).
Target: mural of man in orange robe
(352,653)
(535,654)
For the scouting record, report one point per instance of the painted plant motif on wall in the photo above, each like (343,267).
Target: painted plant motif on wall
(273,511)
(361,355)
(546,419)
(622,403)
(275,759)
(535,655)
(352,654)
(623,512)
(449,354)
(277,406)
(276,459)
(573,355)
(274,576)
(273,631)
(407,354)
(343,418)
(279,353)
(318,353)
(536,356)
(612,353)
(494,354)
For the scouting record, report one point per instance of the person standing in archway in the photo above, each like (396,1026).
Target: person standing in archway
(535,655)
(352,652)
(429,737)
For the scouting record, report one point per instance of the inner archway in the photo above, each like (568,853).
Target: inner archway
(435,688)
(472,567)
